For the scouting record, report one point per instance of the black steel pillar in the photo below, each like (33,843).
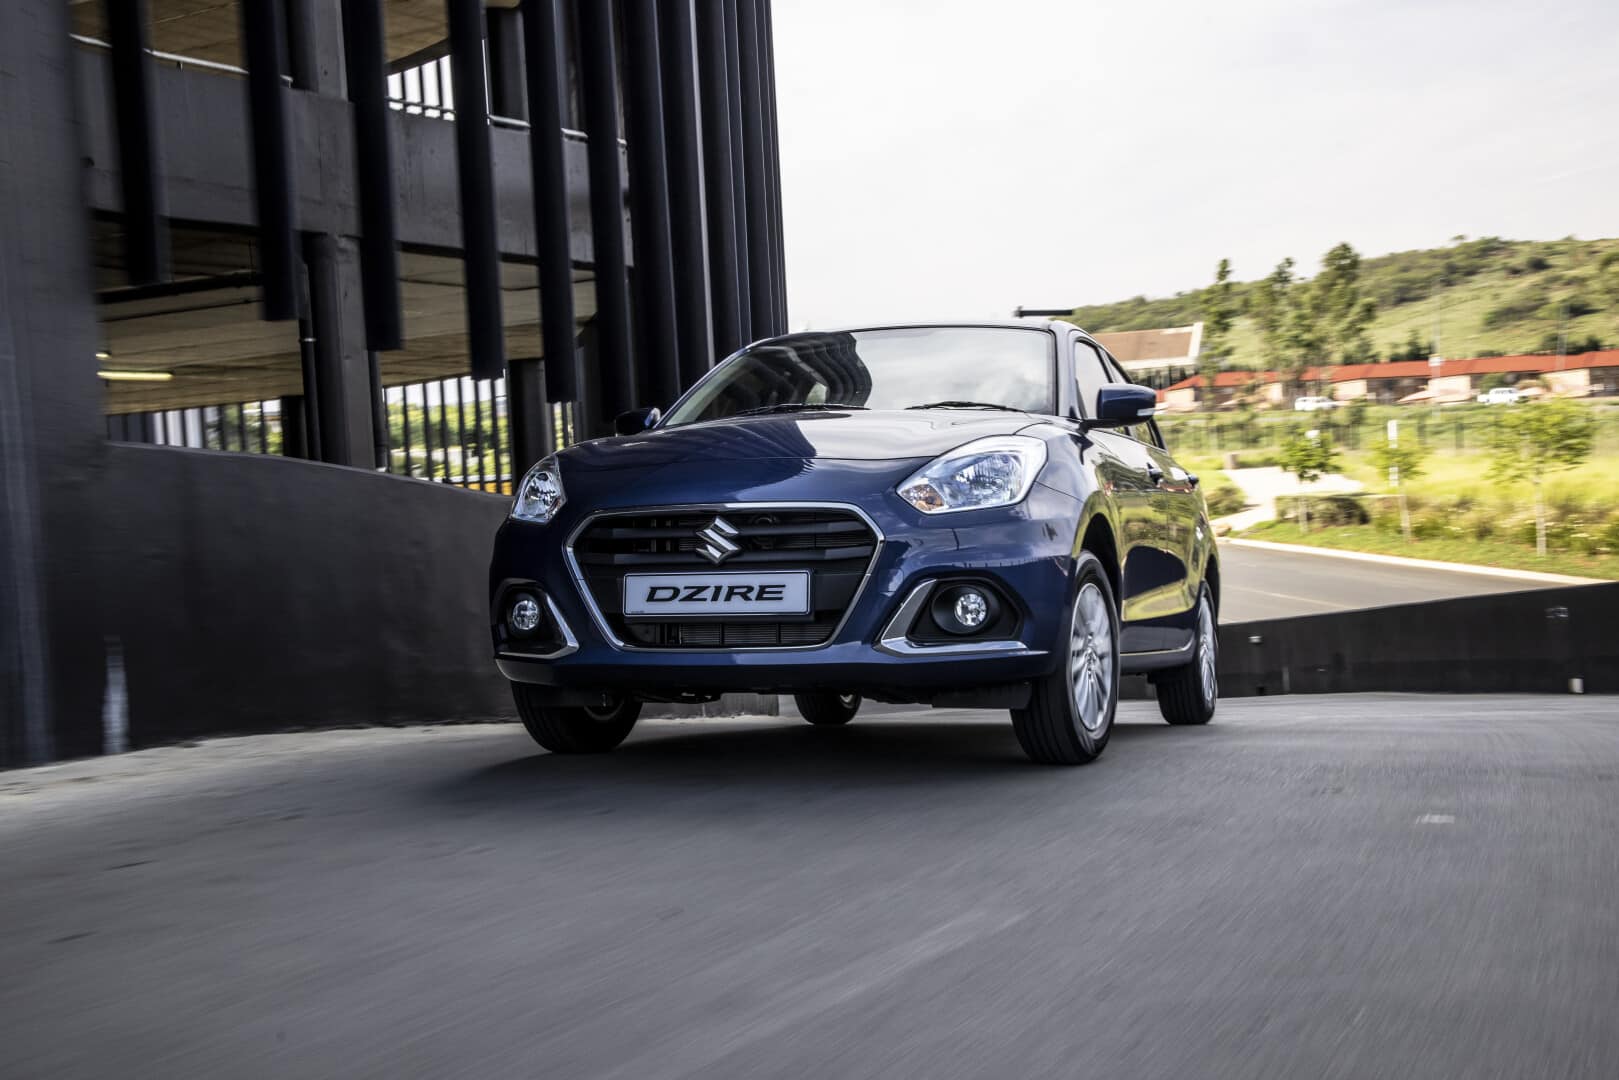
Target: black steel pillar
(532,436)
(773,163)
(294,431)
(745,270)
(544,46)
(529,410)
(684,149)
(145,237)
(480,254)
(363,47)
(721,208)
(505,35)
(56,493)
(762,297)
(654,284)
(263,37)
(599,93)
(343,384)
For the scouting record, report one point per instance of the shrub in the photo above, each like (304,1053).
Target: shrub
(1515,310)
(1326,510)
(1222,497)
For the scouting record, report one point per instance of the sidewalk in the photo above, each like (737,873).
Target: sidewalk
(1261,487)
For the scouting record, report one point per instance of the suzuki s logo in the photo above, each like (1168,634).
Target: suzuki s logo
(717,545)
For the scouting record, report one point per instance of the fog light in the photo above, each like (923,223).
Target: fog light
(971,609)
(963,610)
(525,614)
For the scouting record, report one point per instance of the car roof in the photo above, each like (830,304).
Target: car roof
(922,324)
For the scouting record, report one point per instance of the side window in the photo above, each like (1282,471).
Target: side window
(1090,373)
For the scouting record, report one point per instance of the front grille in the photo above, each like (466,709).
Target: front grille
(835,546)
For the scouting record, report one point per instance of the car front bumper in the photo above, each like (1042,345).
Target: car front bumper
(1025,551)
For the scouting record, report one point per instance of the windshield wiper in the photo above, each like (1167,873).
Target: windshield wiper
(794,406)
(965,405)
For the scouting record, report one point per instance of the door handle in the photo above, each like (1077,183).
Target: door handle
(1155,474)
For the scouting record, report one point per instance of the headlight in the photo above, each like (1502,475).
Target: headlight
(997,471)
(540,494)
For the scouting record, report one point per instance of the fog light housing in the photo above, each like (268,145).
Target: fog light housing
(525,615)
(963,610)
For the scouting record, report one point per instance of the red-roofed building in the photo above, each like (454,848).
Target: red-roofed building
(1582,375)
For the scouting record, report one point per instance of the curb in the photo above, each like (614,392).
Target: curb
(1419,564)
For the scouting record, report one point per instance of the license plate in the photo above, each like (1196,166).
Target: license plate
(732,593)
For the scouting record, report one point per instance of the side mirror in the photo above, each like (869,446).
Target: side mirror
(1123,404)
(635,421)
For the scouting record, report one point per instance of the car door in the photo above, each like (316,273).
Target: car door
(1130,474)
(1164,582)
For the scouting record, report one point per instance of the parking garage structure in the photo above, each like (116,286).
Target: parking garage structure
(292,291)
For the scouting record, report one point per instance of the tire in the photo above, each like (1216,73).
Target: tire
(825,708)
(1070,712)
(1187,695)
(574,729)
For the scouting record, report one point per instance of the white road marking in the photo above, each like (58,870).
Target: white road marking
(1318,601)
(1437,819)
(1414,564)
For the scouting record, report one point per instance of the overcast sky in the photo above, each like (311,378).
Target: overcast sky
(956,159)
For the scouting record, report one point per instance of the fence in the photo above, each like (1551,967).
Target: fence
(1454,428)
(449,431)
(252,427)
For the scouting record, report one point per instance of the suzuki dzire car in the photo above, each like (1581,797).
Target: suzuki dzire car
(967,516)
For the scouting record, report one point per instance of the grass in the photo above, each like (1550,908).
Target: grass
(1456,287)
(1503,553)
(1460,514)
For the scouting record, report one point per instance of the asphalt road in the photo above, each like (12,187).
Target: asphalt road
(1310,887)
(1268,584)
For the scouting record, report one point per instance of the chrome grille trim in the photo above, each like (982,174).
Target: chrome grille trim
(606,630)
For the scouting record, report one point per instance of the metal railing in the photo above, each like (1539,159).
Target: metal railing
(250,427)
(424,90)
(449,431)
(174,59)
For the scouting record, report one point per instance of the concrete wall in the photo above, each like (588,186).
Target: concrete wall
(249,593)
(1527,642)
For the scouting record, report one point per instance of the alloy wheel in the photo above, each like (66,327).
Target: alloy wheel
(1207,645)
(1090,659)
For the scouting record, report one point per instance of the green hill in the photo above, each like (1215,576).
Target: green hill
(1489,295)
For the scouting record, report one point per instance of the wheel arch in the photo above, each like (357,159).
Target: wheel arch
(1211,575)
(1097,538)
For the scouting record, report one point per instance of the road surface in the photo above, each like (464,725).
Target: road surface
(1310,887)
(1268,584)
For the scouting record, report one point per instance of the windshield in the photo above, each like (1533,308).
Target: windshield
(949,367)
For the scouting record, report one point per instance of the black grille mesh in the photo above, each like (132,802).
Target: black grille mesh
(835,546)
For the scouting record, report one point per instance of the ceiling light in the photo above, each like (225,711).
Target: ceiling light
(135,376)
(102,354)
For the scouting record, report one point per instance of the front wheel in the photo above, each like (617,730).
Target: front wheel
(574,729)
(826,709)
(1070,712)
(1186,695)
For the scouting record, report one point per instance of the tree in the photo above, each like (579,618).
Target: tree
(1219,306)
(1607,282)
(1532,441)
(1402,462)
(1343,315)
(1268,304)
(1309,455)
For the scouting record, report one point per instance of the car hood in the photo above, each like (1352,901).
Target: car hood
(845,436)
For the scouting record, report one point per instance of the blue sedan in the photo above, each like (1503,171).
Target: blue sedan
(955,515)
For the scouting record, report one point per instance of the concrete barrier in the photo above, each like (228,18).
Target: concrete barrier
(1545,641)
(255,593)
